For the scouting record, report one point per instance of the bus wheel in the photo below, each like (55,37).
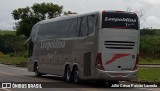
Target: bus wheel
(67,74)
(76,75)
(36,70)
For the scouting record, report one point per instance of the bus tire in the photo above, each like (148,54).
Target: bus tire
(36,70)
(76,75)
(67,74)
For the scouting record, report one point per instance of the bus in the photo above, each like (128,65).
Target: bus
(102,46)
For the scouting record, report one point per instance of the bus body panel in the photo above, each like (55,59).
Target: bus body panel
(119,49)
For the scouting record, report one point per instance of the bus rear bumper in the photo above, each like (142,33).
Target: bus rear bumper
(117,75)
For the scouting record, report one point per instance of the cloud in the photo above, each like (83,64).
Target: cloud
(151,8)
(152,21)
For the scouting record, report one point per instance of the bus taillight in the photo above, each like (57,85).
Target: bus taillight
(136,64)
(99,62)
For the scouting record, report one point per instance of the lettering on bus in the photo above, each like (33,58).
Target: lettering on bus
(120,19)
(52,44)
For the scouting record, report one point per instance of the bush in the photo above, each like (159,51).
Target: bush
(25,55)
(11,54)
(1,54)
(150,46)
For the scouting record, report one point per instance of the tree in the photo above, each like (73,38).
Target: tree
(140,13)
(147,31)
(12,44)
(29,16)
(69,12)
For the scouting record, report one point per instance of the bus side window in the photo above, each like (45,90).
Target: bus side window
(72,28)
(82,26)
(30,50)
(91,23)
(63,28)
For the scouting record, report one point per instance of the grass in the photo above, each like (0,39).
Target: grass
(18,61)
(149,74)
(3,32)
(149,61)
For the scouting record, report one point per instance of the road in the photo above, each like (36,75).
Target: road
(15,74)
(149,66)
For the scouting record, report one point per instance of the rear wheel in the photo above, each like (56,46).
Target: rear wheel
(76,75)
(36,70)
(67,74)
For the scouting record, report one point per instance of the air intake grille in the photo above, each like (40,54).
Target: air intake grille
(119,44)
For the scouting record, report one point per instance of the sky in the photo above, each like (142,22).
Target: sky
(150,9)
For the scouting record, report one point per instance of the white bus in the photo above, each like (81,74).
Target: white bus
(100,46)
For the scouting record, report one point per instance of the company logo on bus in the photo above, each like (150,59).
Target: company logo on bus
(120,19)
(52,44)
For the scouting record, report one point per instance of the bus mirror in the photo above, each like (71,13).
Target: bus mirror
(26,42)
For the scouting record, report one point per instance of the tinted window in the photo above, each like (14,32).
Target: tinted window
(75,27)
(48,31)
(62,27)
(52,30)
(73,23)
(85,26)
(119,20)
(91,23)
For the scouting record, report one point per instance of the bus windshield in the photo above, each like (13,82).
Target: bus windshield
(120,20)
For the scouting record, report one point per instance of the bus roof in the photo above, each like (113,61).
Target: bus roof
(66,17)
(79,15)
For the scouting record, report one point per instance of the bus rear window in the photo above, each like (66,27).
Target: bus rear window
(119,20)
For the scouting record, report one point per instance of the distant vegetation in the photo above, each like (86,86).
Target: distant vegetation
(3,32)
(148,75)
(150,43)
(29,16)
(10,43)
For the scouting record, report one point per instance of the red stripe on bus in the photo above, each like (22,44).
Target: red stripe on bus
(116,56)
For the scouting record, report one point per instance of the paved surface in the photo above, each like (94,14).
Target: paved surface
(151,66)
(16,74)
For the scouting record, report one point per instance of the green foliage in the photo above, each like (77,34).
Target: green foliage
(11,44)
(11,54)
(3,32)
(69,13)
(150,46)
(29,16)
(149,74)
(148,31)
(150,43)
(18,61)
(25,54)
(149,60)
